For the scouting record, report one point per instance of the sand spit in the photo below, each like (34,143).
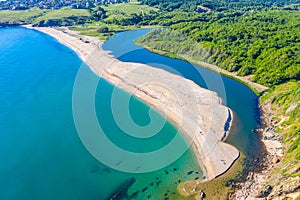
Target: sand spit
(198,113)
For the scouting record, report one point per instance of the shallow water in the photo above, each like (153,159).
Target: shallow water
(42,156)
(235,95)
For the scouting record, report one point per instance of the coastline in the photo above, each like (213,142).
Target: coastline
(256,182)
(149,84)
(255,87)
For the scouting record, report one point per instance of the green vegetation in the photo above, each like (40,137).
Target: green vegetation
(253,43)
(129,14)
(40,17)
(285,102)
(62,17)
(19,16)
(221,5)
(63,13)
(128,9)
(93,29)
(219,188)
(116,17)
(262,45)
(258,40)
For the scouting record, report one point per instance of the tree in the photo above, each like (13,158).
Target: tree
(98,13)
(103,29)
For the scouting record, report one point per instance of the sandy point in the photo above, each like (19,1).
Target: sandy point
(198,113)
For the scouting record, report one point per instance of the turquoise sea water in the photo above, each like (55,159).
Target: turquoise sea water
(235,95)
(41,155)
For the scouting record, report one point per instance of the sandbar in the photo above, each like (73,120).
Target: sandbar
(197,112)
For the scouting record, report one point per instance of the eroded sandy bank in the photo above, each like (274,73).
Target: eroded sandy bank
(198,113)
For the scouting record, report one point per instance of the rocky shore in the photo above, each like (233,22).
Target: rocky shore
(265,184)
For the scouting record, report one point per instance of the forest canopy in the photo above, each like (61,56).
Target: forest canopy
(262,44)
(220,5)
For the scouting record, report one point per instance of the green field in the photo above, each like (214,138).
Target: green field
(91,29)
(128,9)
(118,17)
(35,15)
(63,13)
(20,15)
(127,14)
(134,2)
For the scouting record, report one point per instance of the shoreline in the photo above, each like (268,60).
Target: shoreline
(258,89)
(256,182)
(208,146)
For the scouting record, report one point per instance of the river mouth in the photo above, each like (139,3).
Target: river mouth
(238,97)
(36,95)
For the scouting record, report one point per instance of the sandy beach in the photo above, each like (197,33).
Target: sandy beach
(246,80)
(198,113)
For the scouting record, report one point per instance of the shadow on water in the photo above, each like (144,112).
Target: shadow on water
(122,190)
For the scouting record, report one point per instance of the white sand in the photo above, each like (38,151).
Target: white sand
(198,113)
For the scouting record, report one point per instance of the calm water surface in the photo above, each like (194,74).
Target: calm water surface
(42,156)
(234,94)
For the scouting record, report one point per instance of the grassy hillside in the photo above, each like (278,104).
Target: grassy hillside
(128,9)
(63,13)
(258,39)
(264,45)
(20,16)
(116,17)
(36,15)
(221,5)
(285,103)
(128,14)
